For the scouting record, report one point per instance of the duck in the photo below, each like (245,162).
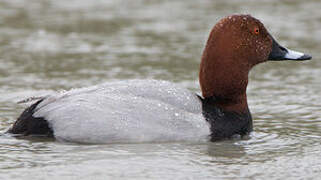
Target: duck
(139,111)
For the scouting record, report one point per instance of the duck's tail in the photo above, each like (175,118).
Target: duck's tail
(27,124)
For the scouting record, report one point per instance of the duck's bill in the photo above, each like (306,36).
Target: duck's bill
(280,53)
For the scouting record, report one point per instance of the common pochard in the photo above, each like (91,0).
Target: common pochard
(160,111)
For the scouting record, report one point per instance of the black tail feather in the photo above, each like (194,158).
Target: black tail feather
(27,125)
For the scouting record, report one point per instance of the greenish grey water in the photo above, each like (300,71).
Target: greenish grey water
(53,45)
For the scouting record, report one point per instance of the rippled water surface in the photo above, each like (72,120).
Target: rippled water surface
(53,45)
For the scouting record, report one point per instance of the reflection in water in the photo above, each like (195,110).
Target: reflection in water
(53,45)
(226,149)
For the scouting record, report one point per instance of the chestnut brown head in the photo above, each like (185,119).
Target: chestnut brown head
(236,44)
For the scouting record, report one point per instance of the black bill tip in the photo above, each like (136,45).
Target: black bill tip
(305,57)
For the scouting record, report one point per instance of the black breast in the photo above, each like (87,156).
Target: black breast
(225,124)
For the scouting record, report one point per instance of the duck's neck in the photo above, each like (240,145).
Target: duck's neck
(225,80)
(224,106)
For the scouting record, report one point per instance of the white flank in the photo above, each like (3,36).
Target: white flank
(126,111)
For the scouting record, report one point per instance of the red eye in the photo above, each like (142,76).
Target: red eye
(256,30)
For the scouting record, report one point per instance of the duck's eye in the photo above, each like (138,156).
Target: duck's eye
(256,30)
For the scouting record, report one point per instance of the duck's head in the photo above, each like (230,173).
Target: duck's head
(236,44)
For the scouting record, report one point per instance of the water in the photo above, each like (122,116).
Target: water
(53,45)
